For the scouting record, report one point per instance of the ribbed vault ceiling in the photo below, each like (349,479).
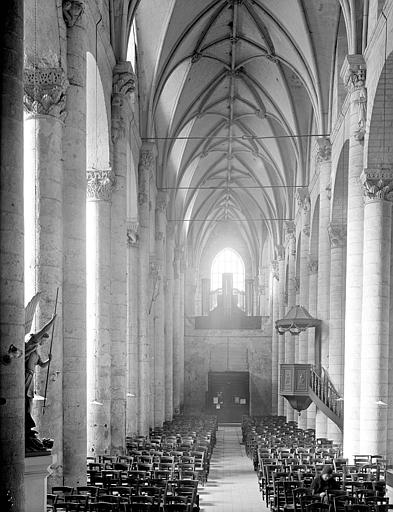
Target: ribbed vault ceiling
(233,82)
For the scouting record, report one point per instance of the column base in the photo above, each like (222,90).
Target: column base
(37,470)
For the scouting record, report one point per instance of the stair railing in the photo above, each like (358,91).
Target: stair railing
(323,387)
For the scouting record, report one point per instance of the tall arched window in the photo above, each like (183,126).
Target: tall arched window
(227,261)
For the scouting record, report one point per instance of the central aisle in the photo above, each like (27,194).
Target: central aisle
(232,484)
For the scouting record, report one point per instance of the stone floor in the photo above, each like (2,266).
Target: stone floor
(232,485)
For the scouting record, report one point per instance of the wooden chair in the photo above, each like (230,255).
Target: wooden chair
(100,506)
(87,490)
(51,500)
(76,501)
(317,507)
(184,501)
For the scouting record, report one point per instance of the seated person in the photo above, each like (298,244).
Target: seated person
(324,482)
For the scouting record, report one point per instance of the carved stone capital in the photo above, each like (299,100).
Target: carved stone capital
(133,234)
(72,10)
(353,72)
(290,236)
(147,158)
(303,198)
(312,266)
(45,92)
(377,184)
(124,79)
(100,184)
(280,250)
(337,235)
(161,201)
(324,149)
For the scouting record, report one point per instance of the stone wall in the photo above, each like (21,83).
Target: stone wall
(227,350)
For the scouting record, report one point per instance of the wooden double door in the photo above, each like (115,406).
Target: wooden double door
(228,395)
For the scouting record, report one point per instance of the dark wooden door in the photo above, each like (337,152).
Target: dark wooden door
(228,395)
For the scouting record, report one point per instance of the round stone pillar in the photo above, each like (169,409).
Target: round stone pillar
(354,75)
(159,311)
(132,329)
(169,323)
(337,236)
(44,102)
(12,314)
(74,248)
(312,267)
(312,309)
(302,353)
(146,169)
(290,340)
(281,312)
(123,86)
(378,186)
(275,337)
(324,162)
(183,269)
(176,330)
(99,191)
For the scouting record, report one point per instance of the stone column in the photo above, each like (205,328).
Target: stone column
(249,296)
(337,235)
(123,87)
(146,166)
(159,344)
(176,330)
(290,340)
(132,328)
(275,337)
(281,404)
(169,317)
(99,191)
(303,199)
(44,102)
(183,270)
(12,314)
(324,162)
(74,248)
(312,309)
(378,187)
(354,76)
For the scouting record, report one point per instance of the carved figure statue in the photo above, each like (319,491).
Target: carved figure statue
(32,359)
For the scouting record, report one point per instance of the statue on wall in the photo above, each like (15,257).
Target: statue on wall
(32,359)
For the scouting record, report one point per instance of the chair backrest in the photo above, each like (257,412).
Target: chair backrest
(51,500)
(81,499)
(89,490)
(317,507)
(307,499)
(101,506)
(62,490)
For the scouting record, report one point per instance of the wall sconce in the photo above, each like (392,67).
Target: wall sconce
(13,353)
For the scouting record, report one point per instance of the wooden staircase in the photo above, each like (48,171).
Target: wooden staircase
(325,396)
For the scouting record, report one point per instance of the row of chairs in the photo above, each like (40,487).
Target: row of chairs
(285,475)
(182,496)
(160,472)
